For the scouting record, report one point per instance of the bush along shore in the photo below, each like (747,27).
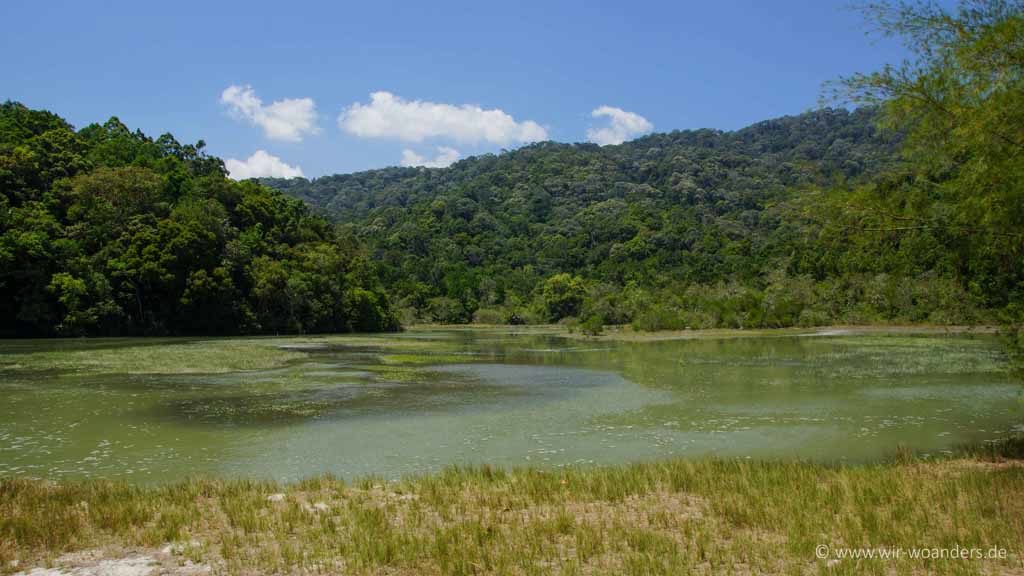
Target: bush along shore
(962,515)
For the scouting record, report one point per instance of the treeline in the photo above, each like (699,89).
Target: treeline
(687,229)
(105,231)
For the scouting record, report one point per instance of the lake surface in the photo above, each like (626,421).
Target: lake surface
(422,400)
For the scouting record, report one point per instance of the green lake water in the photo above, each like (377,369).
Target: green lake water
(416,402)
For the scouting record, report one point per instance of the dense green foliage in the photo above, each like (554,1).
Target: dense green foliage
(107,231)
(695,228)
(908,209)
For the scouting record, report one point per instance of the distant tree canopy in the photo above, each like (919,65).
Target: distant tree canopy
(105,231)
(632,226)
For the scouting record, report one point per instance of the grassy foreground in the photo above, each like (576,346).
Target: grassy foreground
(703,516)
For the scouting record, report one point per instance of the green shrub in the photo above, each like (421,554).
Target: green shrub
(444,310)
(592,326)
(490,316)
(563,296)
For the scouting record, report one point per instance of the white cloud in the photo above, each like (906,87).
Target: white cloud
(624,126)
(289,119)
(260,165)
(390,116)
(445,156)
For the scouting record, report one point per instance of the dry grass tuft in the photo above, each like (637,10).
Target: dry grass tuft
(669,517)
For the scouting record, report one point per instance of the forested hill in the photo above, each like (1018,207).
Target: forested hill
(704,210)
(693,166)
(106,231)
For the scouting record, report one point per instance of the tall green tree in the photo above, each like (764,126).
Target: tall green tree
(106,231)
(960,102)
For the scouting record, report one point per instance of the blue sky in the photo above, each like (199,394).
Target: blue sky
(451,79)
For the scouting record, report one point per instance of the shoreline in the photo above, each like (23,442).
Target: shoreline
(626,333)
(609,332)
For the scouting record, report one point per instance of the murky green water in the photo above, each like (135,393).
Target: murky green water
(423,400)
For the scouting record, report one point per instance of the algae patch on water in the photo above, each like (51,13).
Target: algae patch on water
(159,357)
(159,409)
